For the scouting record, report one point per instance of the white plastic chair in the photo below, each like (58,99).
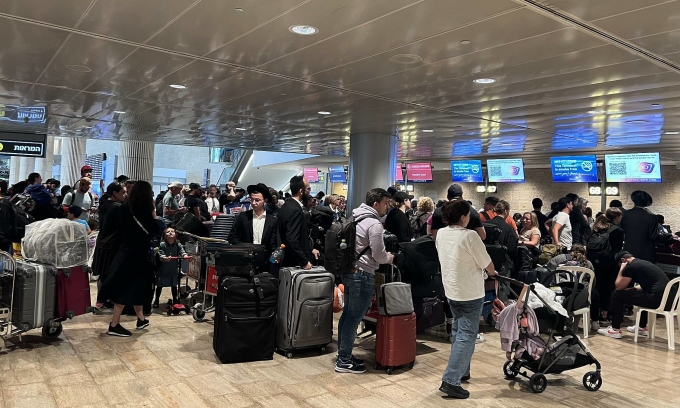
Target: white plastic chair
(668,314)
(581,273)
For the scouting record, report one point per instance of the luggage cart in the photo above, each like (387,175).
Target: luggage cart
(202,270)
(7,329)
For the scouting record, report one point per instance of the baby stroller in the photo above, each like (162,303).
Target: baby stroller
(551,348)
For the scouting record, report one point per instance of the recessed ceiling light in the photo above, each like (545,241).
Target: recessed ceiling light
(484,81)
(241,129)
(178,86)
(672,133)
(656,105)
(78,68)
(324,113)
(119,112)
(637,122)
(597,112)
(465,42)
(428,130)
(406,58)
(238,9)
(303,29)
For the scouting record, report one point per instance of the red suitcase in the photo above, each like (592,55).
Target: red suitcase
(395,343)
(73,292)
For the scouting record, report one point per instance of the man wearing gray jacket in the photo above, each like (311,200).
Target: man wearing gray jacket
(360,282)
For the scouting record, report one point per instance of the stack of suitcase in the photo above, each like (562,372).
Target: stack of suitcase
(395,343)
(221,229)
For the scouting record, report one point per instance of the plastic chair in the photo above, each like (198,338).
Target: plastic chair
(669,314)
(581,273)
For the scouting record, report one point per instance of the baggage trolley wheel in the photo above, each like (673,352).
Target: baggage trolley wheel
(322,349)
(592,380)
(377,366)
(390,370)
(199,313)
(52,329)
(537,383)
(509,372)
(289,354)
(411,364)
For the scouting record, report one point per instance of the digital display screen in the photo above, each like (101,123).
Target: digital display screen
(574,169)
(338,177)
(419,172)
(311,174)
(467,171)
(505,170)
(633,168)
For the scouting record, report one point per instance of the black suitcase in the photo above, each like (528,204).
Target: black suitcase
(241,260)
(391,242)
(245,318)
(429,313)
(189,223)
(435,287)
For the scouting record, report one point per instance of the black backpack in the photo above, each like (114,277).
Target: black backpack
(599,249)
(159,203)
(17,221)
(418,223)
(340,246)
(500,235)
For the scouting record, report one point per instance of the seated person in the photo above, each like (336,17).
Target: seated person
(650,282)
(255,226)
(74,213)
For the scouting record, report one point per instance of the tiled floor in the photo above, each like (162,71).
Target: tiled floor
(172,365)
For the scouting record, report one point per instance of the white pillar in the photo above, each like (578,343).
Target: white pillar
(135,159)
(14,169)
(372,164)
(26,167)
(44,166)
(72,159)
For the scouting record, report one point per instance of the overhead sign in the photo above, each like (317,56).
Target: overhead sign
(336,177)
(23,114)
(22,144)
(467,171)
(574,169)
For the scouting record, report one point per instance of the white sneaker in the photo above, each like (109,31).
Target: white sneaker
(611,332)
(480,338)
(644,332)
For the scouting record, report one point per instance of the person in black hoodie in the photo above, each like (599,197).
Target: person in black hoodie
(642,228)
(396,221)
(108,239)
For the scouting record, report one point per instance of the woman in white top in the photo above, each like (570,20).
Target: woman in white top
(463,260)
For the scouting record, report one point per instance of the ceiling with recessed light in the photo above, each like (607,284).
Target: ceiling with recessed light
(451,78)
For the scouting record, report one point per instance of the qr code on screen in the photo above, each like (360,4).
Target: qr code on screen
(618,169)
(495,171)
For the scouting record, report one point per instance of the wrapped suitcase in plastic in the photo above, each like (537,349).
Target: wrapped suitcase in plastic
(395,342)
(305,312)
(73,292)
(33,299)
(245,318)
(58,242)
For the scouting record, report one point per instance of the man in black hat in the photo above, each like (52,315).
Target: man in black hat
(255,226)
(642,228)
(455,193)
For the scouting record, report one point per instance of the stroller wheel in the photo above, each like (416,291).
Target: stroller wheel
(537,383)
(592,380)
(509,372)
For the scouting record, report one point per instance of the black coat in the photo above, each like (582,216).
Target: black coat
(294,233)
(242,231)
(580,229)
(642,232)
(397,223)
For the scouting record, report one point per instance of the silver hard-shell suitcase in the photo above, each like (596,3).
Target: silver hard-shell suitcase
(34,294)
(305,312)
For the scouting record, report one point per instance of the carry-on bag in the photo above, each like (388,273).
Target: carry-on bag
(73,292)
(305,312)
(429,313)
(245,318)
(241,260)
(418,262)
(395,299)
(34,294)
(189,223)
(395,343)
(391,242)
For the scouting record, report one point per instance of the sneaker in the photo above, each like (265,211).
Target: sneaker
(351,367)
(611,332)
(119,331)
(644,332)
(595,326)
(358,361)
(454,391)
(605,321)
(142,324)
(480,338)
(156,305)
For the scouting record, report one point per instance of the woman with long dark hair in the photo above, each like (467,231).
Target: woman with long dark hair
(606,267)
(130,276)
(108,239)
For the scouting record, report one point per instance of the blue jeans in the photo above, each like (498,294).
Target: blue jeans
(358,294)
(463,335)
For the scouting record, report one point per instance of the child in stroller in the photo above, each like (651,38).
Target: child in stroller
(542,340)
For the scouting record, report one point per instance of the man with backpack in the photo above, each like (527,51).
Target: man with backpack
(82,197)
(359,278)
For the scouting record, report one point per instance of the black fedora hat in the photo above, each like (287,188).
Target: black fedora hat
(260,188)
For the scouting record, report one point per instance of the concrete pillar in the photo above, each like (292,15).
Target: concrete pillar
(72,159)
(14,168)
(44,166)
(26,167)
(135,159)
(372,164)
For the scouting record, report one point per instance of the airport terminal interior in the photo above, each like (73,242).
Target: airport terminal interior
(439,99)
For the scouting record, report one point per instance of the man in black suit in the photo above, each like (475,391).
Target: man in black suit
(642,228)
(293,228)
(255,226)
